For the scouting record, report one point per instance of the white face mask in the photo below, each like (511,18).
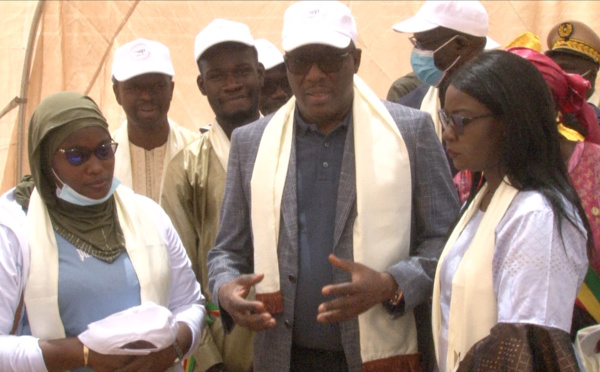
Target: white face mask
(68,194)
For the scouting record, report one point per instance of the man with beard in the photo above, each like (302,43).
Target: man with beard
(142,76)
(231,78)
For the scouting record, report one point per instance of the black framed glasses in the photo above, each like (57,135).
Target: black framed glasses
(77,156)
(458,122)
(327,63)
(415,42)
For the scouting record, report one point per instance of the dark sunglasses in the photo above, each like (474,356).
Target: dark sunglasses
(458,122)
(271,86)
(327,63)
(78,156)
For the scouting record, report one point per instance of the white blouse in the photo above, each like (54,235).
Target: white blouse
(536,271)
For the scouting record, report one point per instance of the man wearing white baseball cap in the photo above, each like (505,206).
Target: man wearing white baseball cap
(446,35)
(331,213)
(230,77)
(276,90)
(142,75)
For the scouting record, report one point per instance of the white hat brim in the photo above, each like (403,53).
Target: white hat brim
(414,24)
(126,75)
(329,38)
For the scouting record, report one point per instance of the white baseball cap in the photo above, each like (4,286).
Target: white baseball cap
(268,54)
(318,22)
(140,57)
(468,17)
(221,31)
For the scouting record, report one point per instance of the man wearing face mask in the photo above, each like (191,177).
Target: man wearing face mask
(446,35)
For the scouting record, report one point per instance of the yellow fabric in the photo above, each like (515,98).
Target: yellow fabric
(146,249)
(473,307)
(570,134)
(383,168)
(192,197)
(590,302)
(431,105)
(179,137)
(578,46)
(526,40)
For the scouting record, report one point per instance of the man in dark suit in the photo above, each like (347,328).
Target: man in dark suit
(335,211)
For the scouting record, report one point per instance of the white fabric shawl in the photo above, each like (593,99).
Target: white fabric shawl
(381,232)
(473,307)
(144,245)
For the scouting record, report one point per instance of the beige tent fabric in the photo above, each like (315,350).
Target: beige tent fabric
(76,41)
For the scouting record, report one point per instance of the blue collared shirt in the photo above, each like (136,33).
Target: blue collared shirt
(319,161)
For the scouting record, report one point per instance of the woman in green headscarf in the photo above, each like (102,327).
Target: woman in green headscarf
(75,248)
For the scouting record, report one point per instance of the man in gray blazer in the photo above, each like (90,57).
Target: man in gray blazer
(327,282)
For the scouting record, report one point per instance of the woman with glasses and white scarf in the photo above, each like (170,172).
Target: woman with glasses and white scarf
(76,248)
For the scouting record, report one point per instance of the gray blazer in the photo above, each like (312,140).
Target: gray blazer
(434,207)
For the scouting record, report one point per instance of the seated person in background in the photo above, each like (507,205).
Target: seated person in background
(515,260)
(77,248)
(276,89)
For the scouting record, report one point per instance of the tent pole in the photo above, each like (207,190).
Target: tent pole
(25,85)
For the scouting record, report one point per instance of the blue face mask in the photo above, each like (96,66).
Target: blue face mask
(424,67)
(68,194)
(423,64)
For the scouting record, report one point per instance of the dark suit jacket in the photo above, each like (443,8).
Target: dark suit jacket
(434,207)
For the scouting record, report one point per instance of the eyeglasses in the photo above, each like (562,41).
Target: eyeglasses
(327,63)
(458,122)
(415,43)
(78,156)
(433,45)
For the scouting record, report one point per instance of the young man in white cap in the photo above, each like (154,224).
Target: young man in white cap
(446,35)
(276,90)
(142,76)
(230,77)
(335,211)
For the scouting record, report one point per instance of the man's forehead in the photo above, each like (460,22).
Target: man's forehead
(229,50)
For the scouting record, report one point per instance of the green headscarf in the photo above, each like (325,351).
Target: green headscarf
(93,229)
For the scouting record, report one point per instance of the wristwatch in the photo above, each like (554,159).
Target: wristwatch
(394,301)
